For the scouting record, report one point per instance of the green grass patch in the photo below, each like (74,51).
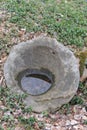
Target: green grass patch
(85,122)
(67,21)
(83,89)
(30,121)
(76,100)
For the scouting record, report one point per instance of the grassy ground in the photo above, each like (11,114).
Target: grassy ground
(21,20)
(66,19)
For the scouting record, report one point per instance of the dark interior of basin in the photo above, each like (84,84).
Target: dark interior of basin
(35,82)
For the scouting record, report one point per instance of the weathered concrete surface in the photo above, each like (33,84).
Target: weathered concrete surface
(47,53)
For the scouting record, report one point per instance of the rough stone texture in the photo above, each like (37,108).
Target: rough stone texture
(47,53)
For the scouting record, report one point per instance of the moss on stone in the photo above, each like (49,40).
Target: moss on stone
(82,55)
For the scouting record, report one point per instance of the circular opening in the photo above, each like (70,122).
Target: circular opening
(35,82)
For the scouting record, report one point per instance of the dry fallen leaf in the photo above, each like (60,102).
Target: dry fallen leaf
(4,125)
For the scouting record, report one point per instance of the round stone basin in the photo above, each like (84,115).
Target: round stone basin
(44,69)
(35,82)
